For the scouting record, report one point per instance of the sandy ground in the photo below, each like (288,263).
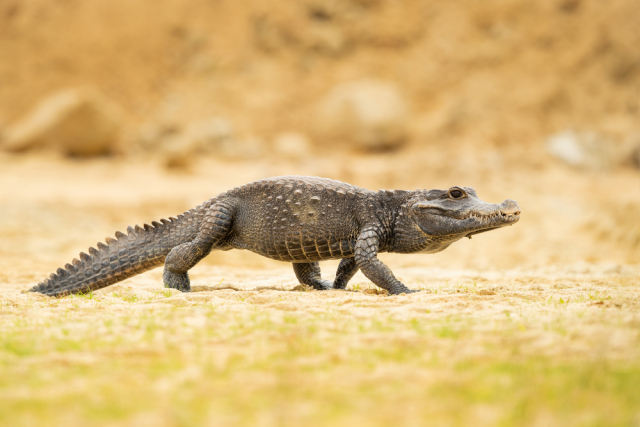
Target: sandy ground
(503,348)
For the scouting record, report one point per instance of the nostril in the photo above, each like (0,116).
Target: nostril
(509,214)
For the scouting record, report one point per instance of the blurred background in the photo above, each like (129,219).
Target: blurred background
(115,112)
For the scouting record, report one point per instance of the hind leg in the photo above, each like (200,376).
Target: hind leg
(182,258)
(308,273)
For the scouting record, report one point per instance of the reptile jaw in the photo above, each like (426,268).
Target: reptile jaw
(497,219)
(500,215)
(506,216)
(493,221)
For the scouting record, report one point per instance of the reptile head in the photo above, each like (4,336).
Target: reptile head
(458,212)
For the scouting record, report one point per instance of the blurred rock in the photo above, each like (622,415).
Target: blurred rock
(211,135)
(214,136)
(205,136)
(291,145)
(178,156)
(77,122)
(250,147)
(588,150)
(566,147)
(153,135)
(370,115)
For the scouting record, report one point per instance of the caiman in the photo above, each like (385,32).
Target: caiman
(296,219)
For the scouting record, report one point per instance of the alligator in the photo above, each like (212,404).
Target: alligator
(297,219)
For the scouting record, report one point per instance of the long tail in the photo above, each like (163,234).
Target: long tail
(140,250)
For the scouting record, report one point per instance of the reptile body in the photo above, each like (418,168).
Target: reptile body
(296,219)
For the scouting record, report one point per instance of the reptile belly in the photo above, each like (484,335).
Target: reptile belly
(301,248)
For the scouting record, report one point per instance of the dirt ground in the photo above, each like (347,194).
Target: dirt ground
(537,324)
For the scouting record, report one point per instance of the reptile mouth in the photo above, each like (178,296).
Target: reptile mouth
(493,221)
(499,214)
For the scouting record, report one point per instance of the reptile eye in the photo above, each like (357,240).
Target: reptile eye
(456,194)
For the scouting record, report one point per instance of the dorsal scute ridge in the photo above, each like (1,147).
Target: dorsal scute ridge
(129,253)
(393,194)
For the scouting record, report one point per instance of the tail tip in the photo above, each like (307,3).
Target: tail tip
(40,288)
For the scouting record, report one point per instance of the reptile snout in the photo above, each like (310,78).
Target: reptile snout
(509,208)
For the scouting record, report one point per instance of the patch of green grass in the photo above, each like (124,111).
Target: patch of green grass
(82,295)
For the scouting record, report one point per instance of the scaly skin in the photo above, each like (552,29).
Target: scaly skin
(296,219)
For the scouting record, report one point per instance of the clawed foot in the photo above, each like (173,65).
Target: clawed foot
(177,281)
(322,285)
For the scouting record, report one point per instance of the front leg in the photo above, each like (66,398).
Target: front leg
(308,273)
(346,270)
(366,257)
